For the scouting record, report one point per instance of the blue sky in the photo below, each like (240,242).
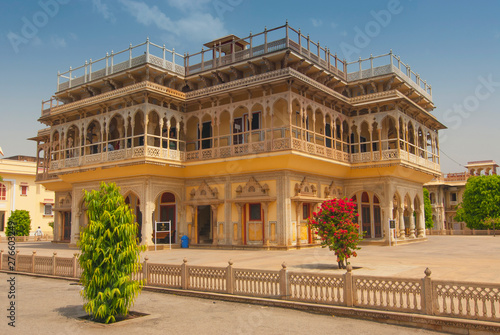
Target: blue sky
(454,45)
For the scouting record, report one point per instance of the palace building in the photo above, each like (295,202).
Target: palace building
(238,143)
(446,192)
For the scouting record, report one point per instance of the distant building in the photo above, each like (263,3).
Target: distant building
(237,144)
(446,193)
(18,190)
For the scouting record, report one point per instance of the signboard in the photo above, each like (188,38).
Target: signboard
(393,235)
(164,227)
(392,224)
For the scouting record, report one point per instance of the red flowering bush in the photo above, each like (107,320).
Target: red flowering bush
(334,224)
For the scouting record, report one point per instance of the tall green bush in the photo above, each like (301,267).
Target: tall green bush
(109,255)
(19,223)
(429,223)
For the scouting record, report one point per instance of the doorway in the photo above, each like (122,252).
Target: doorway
(66,226)
(2,221)
(204,214)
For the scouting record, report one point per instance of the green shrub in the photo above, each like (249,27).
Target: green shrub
(109,255)
(19,223)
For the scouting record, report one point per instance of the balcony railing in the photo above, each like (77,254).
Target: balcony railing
(240,144)
(386,64)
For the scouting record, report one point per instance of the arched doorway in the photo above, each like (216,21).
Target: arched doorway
(167,212)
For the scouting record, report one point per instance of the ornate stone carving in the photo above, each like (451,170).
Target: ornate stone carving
(305,188)
(204,192)
(252,189)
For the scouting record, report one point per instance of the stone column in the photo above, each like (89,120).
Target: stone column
(298,211)
(412,222)
(240,223)
(215,230)
(266,223)
(421,222)
(401,223)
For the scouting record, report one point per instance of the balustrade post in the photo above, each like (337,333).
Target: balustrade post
(173,58)
(75,265)
(145,273)
(163,54)
(186,63)
(230,278)
(360,67)
(90,69)
(54,263)
(348,287)
(265,39)
(33,262)
(371,65)
(147,49)
(251,45)
(300,41)
(58,79)
(16,264)
(390,56)
(112,62)
(202,60)
(85,73)
(427,299)
(130,55)
(69,84)
(287,35)
(107,63)
(284,288)
(232,51)
(184,274)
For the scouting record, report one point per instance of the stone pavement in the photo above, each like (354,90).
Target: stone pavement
(463,258)
(52,306)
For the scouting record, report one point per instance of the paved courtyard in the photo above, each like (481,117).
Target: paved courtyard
(51,306)
(464,258)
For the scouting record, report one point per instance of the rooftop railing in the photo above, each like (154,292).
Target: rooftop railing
(263,43)
(385,64)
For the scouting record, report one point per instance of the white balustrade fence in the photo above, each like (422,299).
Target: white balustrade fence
(466,300)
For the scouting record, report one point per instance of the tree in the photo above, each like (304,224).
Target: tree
(334,224)
(429,223)
(19,223)
(109,255)
(480,206)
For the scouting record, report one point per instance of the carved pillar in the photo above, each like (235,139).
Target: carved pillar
(379,132)
(421,222)
(240,222)
(266,231)
(412,222)
(401,223)
(298,207)
(147,208)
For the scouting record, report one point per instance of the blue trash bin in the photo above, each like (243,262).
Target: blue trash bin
(184,242)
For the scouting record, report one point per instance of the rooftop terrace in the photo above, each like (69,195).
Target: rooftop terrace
(235,50)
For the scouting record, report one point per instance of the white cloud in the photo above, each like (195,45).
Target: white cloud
(334,25)
(103,9)
(343,33)
(317,22)
(195,25)
(189,5)
(58,42)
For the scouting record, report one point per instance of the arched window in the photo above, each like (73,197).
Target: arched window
(3,192)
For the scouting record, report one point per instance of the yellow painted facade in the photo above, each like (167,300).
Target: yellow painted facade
(238,150)
(19,191)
